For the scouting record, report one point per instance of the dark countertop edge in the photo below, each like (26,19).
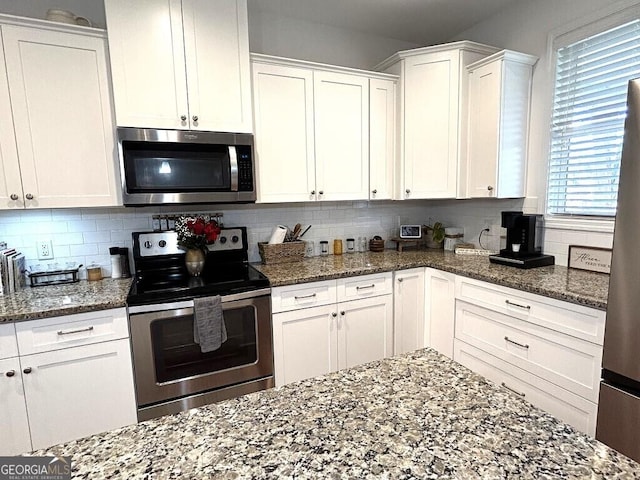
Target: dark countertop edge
(60,311)
(578,299)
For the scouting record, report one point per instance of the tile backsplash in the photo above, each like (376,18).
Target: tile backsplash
(83,236)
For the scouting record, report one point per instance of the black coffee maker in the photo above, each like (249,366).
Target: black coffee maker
(525,236)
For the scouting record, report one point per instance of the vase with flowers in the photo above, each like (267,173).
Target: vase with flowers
(194,234)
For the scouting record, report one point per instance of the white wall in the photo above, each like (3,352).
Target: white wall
(527,27)
(91,9)
(288,37)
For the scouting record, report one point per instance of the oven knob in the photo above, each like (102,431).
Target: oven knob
(147,244)
(162,243)
(235,239)
(223,240)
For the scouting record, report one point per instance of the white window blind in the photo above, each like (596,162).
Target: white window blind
(588,121)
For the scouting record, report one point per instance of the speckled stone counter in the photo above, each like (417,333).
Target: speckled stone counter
(576,286)
(414,416)
(50,301)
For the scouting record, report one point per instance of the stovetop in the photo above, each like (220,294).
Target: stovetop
(161,275)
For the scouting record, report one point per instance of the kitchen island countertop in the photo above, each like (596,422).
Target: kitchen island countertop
(576,286)
(418,415)
(52,300)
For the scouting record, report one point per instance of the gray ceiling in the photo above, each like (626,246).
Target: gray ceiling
(418,21)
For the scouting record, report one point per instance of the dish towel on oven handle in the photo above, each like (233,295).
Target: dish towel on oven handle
(209,330)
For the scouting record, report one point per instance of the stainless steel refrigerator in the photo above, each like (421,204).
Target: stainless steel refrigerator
(619,406)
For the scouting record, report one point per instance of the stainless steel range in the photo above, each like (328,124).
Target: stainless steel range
(171,371)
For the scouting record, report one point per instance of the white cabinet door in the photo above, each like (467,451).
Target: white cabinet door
(147,63)
(8,342)
(216,40)
(440,291)
(79,391)
(283,100)
(408,300)
(304,343)
(431,101)
(382,134)
(341,106)
(499,97)
(62,115)
(484,125)
(365,331)
(10,181)
(14,424)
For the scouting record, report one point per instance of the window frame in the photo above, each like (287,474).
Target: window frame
(598,22)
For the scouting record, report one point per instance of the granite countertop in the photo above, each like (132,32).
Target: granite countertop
(575,286)
(52,300)
(418,415)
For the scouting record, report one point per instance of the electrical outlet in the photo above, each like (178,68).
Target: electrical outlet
(45,251)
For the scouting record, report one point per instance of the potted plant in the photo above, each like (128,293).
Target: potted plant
(435,235)
(194,234)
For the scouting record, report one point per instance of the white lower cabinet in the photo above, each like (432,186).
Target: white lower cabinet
(74,378)
(75,392)
(408,303)
(547,351)
(571,408)
(14,424)
(324,338)
(439,306)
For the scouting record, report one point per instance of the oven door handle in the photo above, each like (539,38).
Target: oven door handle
(189,303)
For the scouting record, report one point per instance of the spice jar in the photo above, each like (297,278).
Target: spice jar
(324,247)
(337,246)
(351,245)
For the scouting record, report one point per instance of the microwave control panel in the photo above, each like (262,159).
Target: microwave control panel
(245,168)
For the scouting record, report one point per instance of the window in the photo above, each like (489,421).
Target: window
(588,121)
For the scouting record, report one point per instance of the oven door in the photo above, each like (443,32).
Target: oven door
(174,166)
(169,365)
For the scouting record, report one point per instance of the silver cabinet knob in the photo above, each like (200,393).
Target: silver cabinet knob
(400,280)
(14,196)
(313,192)
(10,373)
(194,118)
(334,314)
(490,188)
(374,191)
(343,313)
(320,192)
(183,118)
(407,191)
(27,370)
(28,196)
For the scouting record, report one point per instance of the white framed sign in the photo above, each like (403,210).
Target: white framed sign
(593,259)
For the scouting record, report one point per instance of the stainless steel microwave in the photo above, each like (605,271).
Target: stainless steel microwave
(160,167)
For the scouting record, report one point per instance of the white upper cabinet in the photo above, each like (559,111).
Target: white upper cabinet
(61,109)
(180,64)
(432,101)
(499,99)
(313,131)
(382,138)
(283,101)
(341,106)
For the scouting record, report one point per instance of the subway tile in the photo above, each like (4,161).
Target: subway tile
(83,250)
(67,239)
(81,225)
(109,224)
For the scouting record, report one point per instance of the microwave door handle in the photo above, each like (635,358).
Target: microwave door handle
(233,162)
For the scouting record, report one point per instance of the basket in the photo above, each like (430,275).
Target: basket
(281,252)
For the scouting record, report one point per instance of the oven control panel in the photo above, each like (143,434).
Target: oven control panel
(166,243)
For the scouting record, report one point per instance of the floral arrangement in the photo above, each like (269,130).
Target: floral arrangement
(196,232)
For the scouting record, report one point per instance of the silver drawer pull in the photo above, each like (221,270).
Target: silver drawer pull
(69,332)
(365,286)
(520,394)
(305,296)
(526,307)
(516,343)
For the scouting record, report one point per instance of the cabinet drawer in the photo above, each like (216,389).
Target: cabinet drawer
(365,286)
(575,320)
(566,361)
(568,407)
(8,344)
(293,297)
(36,336)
